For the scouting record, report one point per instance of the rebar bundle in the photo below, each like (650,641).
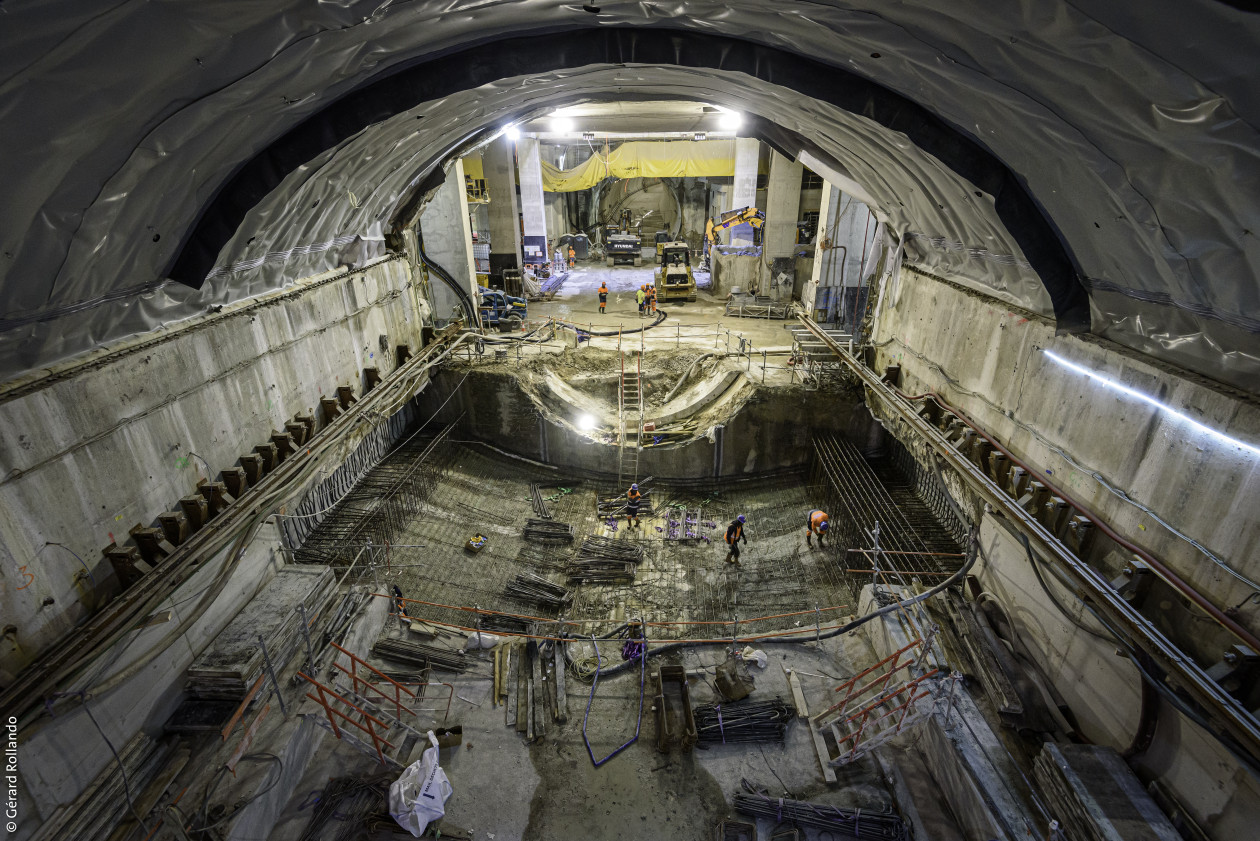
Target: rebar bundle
(540,504)
(419,654)
(347,803)
(858,824)
(745,721)
(603,560)
(547,531)
(537,590)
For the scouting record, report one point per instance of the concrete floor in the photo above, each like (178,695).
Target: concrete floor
(577,300)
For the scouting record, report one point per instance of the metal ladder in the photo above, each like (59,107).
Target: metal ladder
(630,411)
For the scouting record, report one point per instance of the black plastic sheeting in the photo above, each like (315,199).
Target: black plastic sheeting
(478,66)
(1126,130)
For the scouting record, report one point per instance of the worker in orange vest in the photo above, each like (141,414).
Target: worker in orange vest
(652,299)
(572,257)
(633,497)
(816,524)
(603,296)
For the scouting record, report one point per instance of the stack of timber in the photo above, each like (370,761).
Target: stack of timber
(101,812)
(231,665)
(1094,796)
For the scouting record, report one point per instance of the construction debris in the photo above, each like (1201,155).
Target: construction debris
(229,668)
(547,531)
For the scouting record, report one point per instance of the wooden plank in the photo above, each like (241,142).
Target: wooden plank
(798,694)
(562,700)
(820,748)
(522,693)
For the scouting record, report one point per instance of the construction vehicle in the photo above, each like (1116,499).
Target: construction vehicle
(500,310)
(620,245)
(744,215)
(674,281)
(661,239)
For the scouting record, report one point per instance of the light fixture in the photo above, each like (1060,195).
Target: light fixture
(730,120)
(512,133)
(1137,395)
(588,135)
(586,423)
(699,136)
(561,125)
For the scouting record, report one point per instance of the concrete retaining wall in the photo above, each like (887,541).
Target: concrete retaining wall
(771,431)
(87,456)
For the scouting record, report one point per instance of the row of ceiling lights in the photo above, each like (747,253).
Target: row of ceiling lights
(727,121)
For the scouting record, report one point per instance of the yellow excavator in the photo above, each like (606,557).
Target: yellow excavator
(744,215)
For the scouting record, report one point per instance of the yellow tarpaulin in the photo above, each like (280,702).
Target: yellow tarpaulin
(645,159)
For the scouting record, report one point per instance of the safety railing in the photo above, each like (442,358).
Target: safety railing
(377,731)
(366,688)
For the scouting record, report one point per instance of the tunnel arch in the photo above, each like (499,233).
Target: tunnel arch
(1136,146)
(431,80)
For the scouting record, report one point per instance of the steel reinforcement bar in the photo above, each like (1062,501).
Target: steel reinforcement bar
(1223,709)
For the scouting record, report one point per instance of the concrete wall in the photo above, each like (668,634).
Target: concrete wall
(87,456)
(448,241)
(771,431)
(989,361)
(731,270)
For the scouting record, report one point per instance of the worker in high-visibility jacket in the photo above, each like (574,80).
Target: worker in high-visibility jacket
(816,525)
(734,534)
(641,297)
(603,296)
(633,498)
(651,293)
(572,257)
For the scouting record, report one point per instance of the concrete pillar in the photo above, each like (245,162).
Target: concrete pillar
(533,207)
(783,203)
(448,241)
(843,224)
(499,163)
(744,189)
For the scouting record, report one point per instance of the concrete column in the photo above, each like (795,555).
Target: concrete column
(499,163)
(448,240)
(744,189)
(783,203)
(842,226)
(533,207)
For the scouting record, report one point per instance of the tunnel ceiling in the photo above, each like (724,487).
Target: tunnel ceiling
(1093,162)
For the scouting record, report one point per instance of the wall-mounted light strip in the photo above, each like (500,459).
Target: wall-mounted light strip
(1137,395)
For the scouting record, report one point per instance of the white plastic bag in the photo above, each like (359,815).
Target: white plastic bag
(419,795)
(480,640)
(754,655)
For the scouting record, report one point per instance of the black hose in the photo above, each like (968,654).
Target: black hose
(465,299)
(972,554)
(660,316)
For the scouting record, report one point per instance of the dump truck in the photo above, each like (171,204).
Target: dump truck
(674,281)
(623,248)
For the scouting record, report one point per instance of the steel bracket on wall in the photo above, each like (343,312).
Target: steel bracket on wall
(1221,708)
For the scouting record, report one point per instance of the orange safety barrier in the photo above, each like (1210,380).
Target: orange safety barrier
(400,689)
(378,739)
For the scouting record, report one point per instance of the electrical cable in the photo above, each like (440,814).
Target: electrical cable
(121,768)
(972,554)
(255,796)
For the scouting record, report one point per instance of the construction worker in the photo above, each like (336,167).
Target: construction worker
(816,524)
(652,299)
(641,297)
(572,257)
(603,296)
(632,506)
(734,534)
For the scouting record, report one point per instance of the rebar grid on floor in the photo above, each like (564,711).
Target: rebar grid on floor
(427,509)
